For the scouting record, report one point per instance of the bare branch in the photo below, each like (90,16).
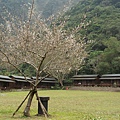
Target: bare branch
(41,80)
(31,65)
(8,61)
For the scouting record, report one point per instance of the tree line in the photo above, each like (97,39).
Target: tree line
(104,30)
(103,17)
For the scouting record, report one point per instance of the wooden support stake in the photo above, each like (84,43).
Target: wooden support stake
(43,108)
(21,103)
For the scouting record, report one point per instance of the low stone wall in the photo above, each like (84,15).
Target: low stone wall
(112,89)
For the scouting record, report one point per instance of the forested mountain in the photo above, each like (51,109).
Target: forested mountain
(49,7)
(43,7)
(14,7)
(104,28)
(103,14)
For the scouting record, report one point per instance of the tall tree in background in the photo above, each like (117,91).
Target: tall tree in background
(109,59)
(49,50)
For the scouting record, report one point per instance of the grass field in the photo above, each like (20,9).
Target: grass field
(65,105)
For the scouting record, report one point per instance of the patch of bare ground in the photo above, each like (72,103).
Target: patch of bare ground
(112,89)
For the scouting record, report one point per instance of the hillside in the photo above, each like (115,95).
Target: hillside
(49,7)
(103,14)
(43,7)
(104,28)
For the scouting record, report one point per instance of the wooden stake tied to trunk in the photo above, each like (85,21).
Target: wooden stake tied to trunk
(30,96)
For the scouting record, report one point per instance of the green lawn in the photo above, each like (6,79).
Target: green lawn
(65,105)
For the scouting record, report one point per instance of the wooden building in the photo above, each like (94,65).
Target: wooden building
(46,82)
(6,83)
(106,80)
(86,80)
(20,82)
(110,80)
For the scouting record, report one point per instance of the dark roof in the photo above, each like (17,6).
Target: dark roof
(49,81)
(111,75)
(85,76)
(48,78)
(110,78)
(14,78)
(19,77)
(5,79)
(20,80)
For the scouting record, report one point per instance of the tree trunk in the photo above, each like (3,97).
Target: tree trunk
(61,83)
(27,108)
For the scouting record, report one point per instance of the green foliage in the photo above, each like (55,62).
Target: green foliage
(104,18)
(109,59)
(105,24)
(106,61)
(56,87)
(91,63)
(27,69)
(53,6)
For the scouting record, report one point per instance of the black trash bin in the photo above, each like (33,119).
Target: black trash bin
(44,101)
